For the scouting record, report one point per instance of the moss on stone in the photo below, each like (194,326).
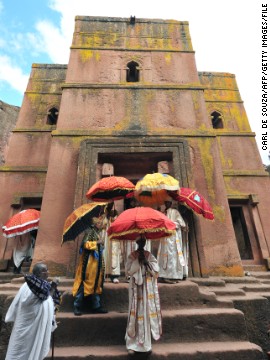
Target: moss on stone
(233,271)
(205,146)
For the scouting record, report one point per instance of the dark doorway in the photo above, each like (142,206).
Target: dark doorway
(245,232)
(134,166)
(241,233)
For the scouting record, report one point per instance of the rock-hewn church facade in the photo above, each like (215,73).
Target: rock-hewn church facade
(131,96)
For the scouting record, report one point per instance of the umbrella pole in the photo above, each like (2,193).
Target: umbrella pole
(5,248)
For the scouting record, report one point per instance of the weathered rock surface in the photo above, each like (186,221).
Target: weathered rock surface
(8,118)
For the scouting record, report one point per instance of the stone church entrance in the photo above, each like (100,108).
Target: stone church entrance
(134,158)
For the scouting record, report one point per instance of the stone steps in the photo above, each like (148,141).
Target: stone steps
(255,268)
(222,281)
(233,350)
(6,277)
(115,296)
(265,281)
(261,275)
(227,291)
(254,304)
(196,325)
(172,296)
(260,288)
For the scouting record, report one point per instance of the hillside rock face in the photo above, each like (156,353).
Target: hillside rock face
(8,118)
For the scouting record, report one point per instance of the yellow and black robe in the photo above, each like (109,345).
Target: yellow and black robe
(90,270)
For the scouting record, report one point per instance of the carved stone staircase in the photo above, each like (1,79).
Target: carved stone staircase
(213,319)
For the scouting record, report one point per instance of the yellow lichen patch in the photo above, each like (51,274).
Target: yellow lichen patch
(222,157)
(219,213)
(233,271)
(85,55)
(230,163)
(203,127)
(97,55)
(229,189)
(33,98)
(168,58)
(240,119)
(205,145)
(171,41)
(225,161)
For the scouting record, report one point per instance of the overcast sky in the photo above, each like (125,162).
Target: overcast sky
(226,37)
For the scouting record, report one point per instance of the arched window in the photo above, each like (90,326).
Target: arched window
(52,116)
(133,73)
(217,121)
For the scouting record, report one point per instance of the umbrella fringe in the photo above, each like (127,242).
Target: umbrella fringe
(21,225)
(113,188)
(158,187)
(142,231)
(206,214)
(19,233)
(116,188)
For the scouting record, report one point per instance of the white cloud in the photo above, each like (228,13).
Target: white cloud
(17,42)
(54,43)
(13,75)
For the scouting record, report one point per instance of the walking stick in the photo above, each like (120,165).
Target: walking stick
(52,342)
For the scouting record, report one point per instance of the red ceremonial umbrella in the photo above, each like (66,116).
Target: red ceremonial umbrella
(110,188)
(80,219)
(21,223)
(132,223)
(193,200)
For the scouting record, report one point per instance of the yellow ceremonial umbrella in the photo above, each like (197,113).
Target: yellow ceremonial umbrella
(152,188)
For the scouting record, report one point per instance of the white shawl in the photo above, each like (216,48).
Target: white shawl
(33,323)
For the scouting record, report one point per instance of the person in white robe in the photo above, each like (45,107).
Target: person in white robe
(185,247)
(127,247)
(33,320)
(112,249)
(22,251)
(144,317)
(172,260)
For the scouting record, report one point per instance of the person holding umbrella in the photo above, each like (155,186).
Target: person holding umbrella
(171,260)
(112,249)
(23,250)
(23,227)
(144,316)
(89,276)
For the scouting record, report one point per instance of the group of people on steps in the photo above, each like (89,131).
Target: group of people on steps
(143,271)
(101,258)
